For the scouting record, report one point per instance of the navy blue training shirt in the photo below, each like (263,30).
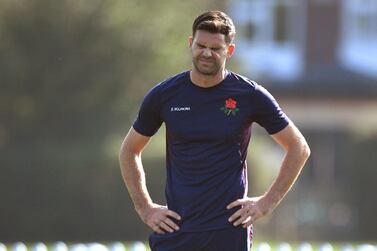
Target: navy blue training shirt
(207,134)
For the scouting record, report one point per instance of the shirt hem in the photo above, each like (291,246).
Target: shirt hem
(205,229)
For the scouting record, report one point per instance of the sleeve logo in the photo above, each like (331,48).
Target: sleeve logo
(230,107)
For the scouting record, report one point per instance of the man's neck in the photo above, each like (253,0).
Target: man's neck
(207,81)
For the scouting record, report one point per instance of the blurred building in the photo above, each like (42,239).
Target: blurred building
(319,59)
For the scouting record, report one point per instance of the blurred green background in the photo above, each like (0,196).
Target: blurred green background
(72,76)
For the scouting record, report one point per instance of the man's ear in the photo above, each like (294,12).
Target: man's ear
(190,40)
(230,50)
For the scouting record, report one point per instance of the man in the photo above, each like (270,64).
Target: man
(208,112)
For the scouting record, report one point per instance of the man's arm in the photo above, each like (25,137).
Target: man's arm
(155,216)
(297,152)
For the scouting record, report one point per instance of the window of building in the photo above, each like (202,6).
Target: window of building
(358,41)
(270,36)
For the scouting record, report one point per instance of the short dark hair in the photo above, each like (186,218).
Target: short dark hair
(215,22)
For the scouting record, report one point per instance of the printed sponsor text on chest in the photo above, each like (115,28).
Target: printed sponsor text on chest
(179,109)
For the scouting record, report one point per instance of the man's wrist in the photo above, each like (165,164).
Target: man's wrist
(141,208)
(271,200)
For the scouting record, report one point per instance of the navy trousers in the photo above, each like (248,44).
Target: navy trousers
(228,239)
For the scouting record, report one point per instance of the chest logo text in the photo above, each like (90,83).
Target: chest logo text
(180,109)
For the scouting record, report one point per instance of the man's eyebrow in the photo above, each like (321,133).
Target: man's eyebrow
(212,47)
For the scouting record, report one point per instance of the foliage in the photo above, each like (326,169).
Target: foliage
(71,76)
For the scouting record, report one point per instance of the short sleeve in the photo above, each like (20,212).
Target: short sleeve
(268,114)
(149,119)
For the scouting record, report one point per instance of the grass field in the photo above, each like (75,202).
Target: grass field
(143,246)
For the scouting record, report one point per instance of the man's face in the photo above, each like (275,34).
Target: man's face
(209,52)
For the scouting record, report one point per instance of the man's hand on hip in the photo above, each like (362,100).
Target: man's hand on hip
(159,218)
(251,210)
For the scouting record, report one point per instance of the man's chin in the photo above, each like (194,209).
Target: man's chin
(207,72)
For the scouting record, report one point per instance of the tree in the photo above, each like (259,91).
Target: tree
(71,76)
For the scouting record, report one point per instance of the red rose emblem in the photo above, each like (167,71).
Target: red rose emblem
(230,107)
(230,103)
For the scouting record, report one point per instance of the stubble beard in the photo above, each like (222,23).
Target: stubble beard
(207,71)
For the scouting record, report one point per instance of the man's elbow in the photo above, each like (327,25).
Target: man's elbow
(127,153)
(305,150)
(122,152)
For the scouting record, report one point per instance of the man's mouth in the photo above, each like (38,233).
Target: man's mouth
(206,60)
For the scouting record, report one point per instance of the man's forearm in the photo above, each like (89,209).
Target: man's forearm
(291,167)
(134,178)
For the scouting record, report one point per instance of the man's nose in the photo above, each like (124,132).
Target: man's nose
(207,52)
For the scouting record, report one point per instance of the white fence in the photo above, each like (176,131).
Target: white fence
(139,246)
